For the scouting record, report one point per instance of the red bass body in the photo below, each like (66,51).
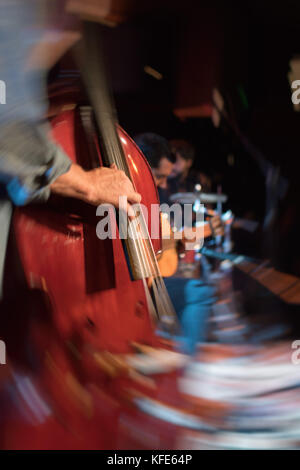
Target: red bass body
(69,298)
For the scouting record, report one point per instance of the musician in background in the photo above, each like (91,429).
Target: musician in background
(192,298)
(183,177)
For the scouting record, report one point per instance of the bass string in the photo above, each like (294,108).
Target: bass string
(119,159)
(164,307)
(143,244)
(114,155)
(158,282)
(93,71)
(134,232)
(146,250)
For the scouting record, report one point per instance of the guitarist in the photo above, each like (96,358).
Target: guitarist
(192,298)
(183,177)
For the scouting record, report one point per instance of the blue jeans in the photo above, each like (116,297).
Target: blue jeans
(192,300)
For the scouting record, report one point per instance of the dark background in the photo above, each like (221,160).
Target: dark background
(243,49)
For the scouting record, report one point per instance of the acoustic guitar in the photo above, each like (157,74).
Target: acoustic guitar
(168,256)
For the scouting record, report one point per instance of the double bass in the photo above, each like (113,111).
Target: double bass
(73,304)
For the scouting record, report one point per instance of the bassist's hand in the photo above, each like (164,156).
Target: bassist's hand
(98,186)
